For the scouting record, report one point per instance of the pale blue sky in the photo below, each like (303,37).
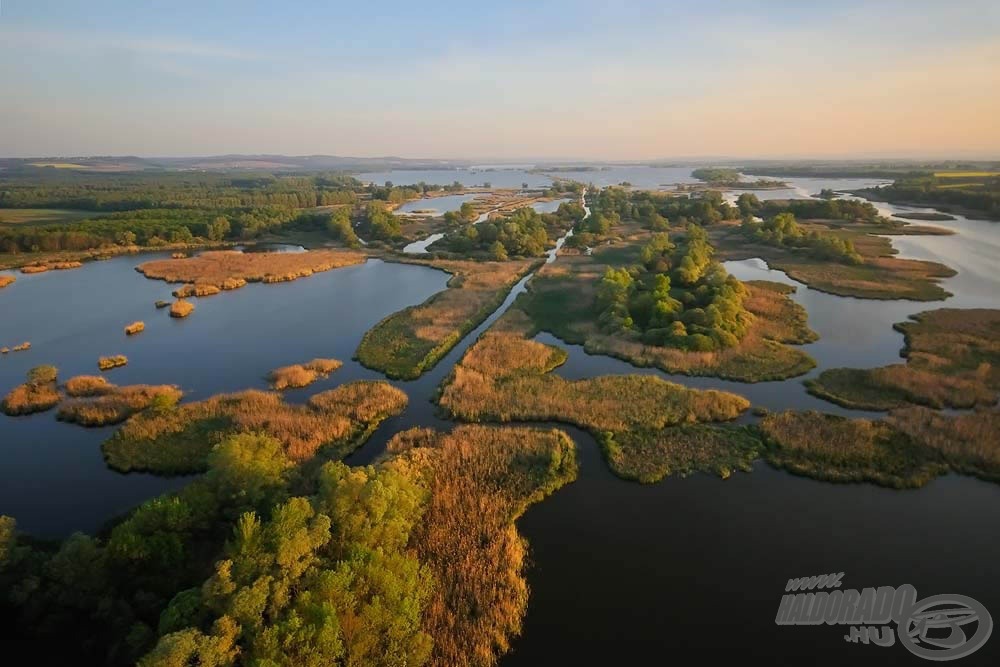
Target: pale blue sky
(621,80)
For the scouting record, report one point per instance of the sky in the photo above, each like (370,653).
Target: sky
(502,79)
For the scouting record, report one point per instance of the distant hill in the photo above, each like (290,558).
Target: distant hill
(270,163)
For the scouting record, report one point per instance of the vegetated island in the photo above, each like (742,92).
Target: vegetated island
(179,440)
(302,375)
(974,193)
(38,393)
(411,341)
(231,269)
(835,246)
(505,376)
(925,216)
(97,402)
(952,360)
(633,286)
(6,280)
(726,178)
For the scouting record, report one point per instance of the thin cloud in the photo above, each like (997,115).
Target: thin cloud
(47,40)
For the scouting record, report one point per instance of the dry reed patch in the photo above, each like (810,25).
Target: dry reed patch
(229,269)
(181,308)
(952,360)
(969,443)
(302,375)
(178,440)
(34,268)
(7,280)
(506,377)
(117,405)
(196,290)
(413,340)
(480,479)
(649,456)
(88,385)
(31,397)
(114,361)
(21,347)
(63,266)
(839,449)
(134,328)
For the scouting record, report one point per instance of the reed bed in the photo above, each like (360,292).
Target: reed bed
(179,440)
(6,280)
(114,361)
(506,377)
(839,449)
(952,360)
(34,268)
(196,290)
(134,328)
(230,269)
(649,456)
(82,386)
(117,405)
(181,308)
(302,375)
(411,341)
(481,479)
(21,347)
(968,443)
(37,394)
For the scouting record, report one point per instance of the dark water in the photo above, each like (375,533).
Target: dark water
(629,574)
(52,478)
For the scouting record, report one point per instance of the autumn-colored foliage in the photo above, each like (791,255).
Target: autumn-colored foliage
(114,361)
(302,375)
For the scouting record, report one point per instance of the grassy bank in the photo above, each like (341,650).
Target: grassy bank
(411,341)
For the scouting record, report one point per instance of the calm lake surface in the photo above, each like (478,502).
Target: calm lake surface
(53,479)
(497,177)
(620,572)
(641,177)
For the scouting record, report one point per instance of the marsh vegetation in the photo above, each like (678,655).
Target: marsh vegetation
(302,375)
(113,361)
(37,394)
(413,340)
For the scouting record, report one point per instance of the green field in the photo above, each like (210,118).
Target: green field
(40,216)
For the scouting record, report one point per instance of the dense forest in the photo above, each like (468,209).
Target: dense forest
(157,209)
(975,191)
(523,233)
(679,296)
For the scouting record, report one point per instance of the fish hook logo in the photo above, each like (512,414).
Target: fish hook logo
(935,627)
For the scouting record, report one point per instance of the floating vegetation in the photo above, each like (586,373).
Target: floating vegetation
(181,308)
(302,375)
(107,363)
(196,290)
(134,328)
